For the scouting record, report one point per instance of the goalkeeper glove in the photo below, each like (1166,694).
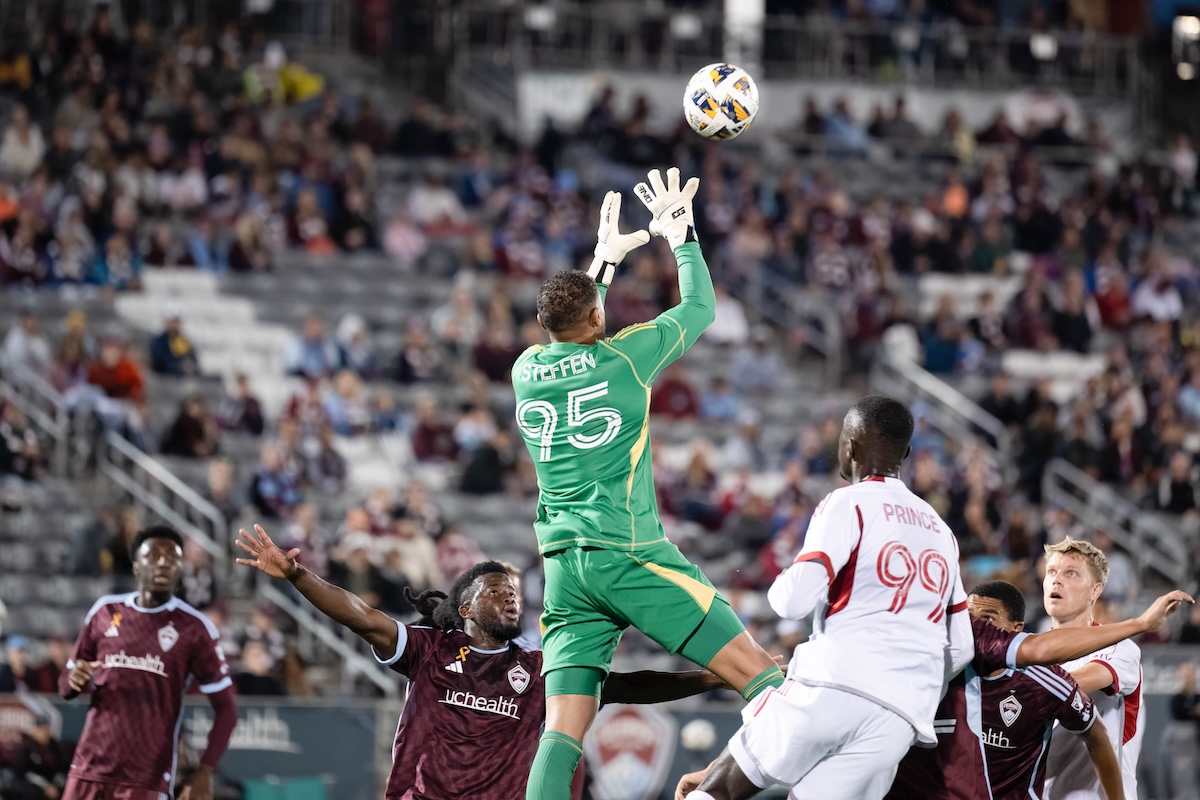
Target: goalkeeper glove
(611,245)
(670,205)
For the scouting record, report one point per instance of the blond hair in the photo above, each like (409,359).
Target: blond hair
(1093,555)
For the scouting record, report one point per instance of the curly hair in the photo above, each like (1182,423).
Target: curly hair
(439,610)
(564,300)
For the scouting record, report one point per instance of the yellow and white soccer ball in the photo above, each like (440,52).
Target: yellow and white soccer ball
(721,101)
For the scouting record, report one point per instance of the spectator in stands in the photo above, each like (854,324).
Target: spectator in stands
(264,628)
(1072,321)
(40,763)
(250,251)
(1189,398)
(45,674)
(193,434)
(489,467)
(1121,457)
(433,205)
(1176,490)
(432,437)
(346,405)
(730,326)
(312,354)
(115,373)
(473,429)
(353,228)
(719,403)
(459,323)
(1039,443)
(326,469)
(674,396)
(15,674)
(353,570)
(1000,402)
(22,147)
(219,490)
(303,531)
(172,353)
(274,490)
(744,450)
(418,360)
(21,454)
(240,411)
(1190,632)
(756,368)
(25,346)
(199,586)
(255,678)
(354,344)
(68,372)
(1156,297)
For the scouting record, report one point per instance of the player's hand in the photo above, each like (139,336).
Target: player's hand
(611,245)
(689,782)
(670,205)
(81,674)
(1156,615)
(266,555)
(200,787)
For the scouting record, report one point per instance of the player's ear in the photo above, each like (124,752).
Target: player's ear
(539,319)
(465,611)
(1018,626)
(907,453)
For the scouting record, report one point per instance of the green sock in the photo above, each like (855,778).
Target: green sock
(553,767)
(772,676)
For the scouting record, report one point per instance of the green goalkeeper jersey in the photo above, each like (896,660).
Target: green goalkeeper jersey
(584,413)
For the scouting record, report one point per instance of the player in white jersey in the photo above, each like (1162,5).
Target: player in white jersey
(880,569)
(1075,576)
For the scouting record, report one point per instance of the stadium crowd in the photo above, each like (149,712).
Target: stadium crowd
(123,154)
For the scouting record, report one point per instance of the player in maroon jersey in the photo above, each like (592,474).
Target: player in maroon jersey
(955,769)
(474,696)
(1018,709)
(137,655)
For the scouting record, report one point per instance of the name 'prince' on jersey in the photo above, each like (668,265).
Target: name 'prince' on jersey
(584,413)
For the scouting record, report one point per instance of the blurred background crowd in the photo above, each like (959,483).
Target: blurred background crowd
(132,153)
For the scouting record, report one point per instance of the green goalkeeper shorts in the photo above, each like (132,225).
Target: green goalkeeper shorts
(593,595)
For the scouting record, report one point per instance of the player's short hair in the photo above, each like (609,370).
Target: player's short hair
(1009,596)
(887,421)
(564,300)
(1094,556)
(439,610)
(154,532)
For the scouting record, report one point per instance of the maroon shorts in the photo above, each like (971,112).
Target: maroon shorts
(80,789)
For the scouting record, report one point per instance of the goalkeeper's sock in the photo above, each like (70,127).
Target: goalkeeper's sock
(553,767)
(772,676)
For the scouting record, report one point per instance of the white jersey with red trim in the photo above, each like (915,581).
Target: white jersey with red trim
(1069,771)
(882,630)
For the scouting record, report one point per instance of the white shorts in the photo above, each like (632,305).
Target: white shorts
(825,743)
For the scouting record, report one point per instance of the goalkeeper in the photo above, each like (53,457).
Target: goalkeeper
(583,407)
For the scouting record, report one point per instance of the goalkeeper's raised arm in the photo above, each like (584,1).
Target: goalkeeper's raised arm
(655,344)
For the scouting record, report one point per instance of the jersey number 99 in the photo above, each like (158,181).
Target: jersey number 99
(538,420)
(899,570)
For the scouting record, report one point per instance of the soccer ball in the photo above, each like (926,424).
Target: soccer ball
(721,101)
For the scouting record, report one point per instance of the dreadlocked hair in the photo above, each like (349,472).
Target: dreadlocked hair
(426,603)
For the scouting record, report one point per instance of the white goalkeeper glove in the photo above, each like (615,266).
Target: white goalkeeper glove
(670,205)
(611,245)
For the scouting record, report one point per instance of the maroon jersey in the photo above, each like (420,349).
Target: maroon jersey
(149,658)
(1019,709)
(954,770)
(471,718)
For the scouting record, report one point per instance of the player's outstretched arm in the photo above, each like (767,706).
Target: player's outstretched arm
(671,205)
(1100,749)
(649,686)
(1067,644)
(345,608)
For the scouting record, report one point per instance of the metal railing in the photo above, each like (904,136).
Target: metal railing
(637,36)
(1150,541)
(770,297)
(156,489)
(42,405)
(950,412)
(317,627)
